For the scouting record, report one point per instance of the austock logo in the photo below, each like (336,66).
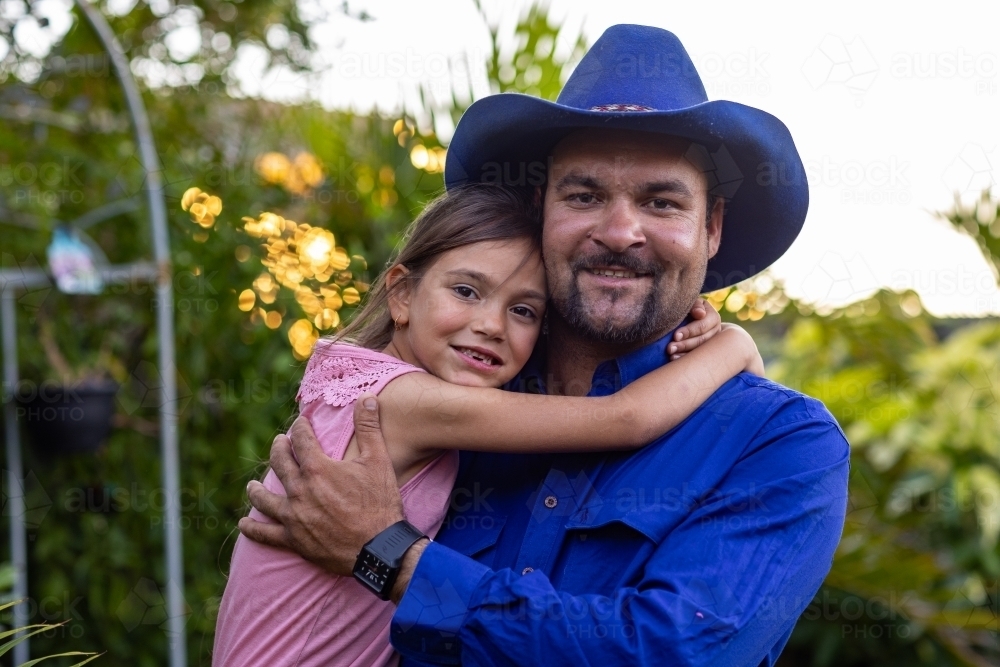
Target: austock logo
(975,169)
(37,502)
(713,604)
(839,279)
(440,605)
(144,390)
(558,495)
(975,607)
(18,272)
(723,176)
(838,62)
(145,604)
(862,503)
(132,176)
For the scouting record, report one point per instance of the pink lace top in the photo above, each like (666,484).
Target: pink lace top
(279,609)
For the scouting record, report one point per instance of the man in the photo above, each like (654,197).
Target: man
(705,546)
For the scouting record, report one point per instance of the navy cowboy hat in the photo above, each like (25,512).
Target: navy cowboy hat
(641,78)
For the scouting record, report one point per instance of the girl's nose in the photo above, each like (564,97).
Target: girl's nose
(489,321)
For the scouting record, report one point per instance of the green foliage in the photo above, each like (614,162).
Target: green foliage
(219,29)
(529,60)
(921,536)
(15,636)
(535,68)
(981,221)
(96,523)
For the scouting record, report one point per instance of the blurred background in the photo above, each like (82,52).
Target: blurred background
(295,141)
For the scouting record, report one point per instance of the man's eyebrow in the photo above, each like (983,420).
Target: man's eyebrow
(578,180)
(671,186)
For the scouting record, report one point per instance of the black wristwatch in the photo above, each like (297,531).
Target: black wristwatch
(380,560)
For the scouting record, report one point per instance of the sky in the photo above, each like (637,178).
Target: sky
(894,107)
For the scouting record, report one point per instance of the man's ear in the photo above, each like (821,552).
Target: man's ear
(397,285)
(714,226)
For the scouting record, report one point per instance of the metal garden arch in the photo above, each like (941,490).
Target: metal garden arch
(158,272)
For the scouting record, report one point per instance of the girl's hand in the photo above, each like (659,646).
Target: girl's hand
(706,325)
(744,343)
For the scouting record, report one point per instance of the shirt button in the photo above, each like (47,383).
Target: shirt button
(551,502)
(527,570)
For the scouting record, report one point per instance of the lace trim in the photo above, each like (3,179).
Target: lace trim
(339,380)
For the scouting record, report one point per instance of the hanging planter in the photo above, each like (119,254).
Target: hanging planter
(73,411)
(73,419)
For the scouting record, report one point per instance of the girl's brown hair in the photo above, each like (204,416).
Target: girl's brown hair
(464,215)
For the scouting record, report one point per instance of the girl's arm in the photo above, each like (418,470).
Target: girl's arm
(422,414)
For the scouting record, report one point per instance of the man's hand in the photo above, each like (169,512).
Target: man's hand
(332,508)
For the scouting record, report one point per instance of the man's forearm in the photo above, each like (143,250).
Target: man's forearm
(690,603)
(410,561)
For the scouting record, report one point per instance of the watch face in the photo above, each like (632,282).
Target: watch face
(372,570)
(379,561)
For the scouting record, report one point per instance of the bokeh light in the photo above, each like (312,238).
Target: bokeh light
(430,160)
(202,206)
(298,176)
(306,261)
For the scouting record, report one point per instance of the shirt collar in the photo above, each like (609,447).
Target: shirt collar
(609,376)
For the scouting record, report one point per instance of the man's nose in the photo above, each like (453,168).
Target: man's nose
(620,228)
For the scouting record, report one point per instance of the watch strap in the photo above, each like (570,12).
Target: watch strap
(392,543)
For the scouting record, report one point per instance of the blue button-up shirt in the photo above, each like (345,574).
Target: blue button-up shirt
(702,548)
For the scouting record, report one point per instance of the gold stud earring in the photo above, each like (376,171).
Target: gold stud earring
(395,321)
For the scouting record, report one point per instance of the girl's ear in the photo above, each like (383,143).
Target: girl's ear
(398,287)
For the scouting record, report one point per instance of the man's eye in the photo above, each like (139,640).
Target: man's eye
(523,311)
(661,204)
(464,291)
(583,198)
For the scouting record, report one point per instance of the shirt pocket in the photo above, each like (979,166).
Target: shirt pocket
(607,548)
(472,534)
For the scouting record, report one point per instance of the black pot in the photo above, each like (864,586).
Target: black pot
(68,419)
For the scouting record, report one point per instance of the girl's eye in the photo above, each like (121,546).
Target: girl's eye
(464,291)
(523,311)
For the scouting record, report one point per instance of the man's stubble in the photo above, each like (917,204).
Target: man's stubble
(663,307)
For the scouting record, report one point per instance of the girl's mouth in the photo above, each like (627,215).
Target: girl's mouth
(478,357)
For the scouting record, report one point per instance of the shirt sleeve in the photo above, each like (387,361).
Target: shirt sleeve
(724,588)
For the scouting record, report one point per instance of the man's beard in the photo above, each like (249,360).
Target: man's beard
(660,309)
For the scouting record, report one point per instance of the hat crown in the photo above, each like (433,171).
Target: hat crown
(640,78)
(635,65)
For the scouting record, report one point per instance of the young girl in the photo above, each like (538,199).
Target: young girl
(455,317)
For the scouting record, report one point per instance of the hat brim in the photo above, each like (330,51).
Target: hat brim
(508,138)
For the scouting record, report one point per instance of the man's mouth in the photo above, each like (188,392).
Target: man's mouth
(482,356)
(611,272)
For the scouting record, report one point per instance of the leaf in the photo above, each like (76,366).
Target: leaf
(93,656)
